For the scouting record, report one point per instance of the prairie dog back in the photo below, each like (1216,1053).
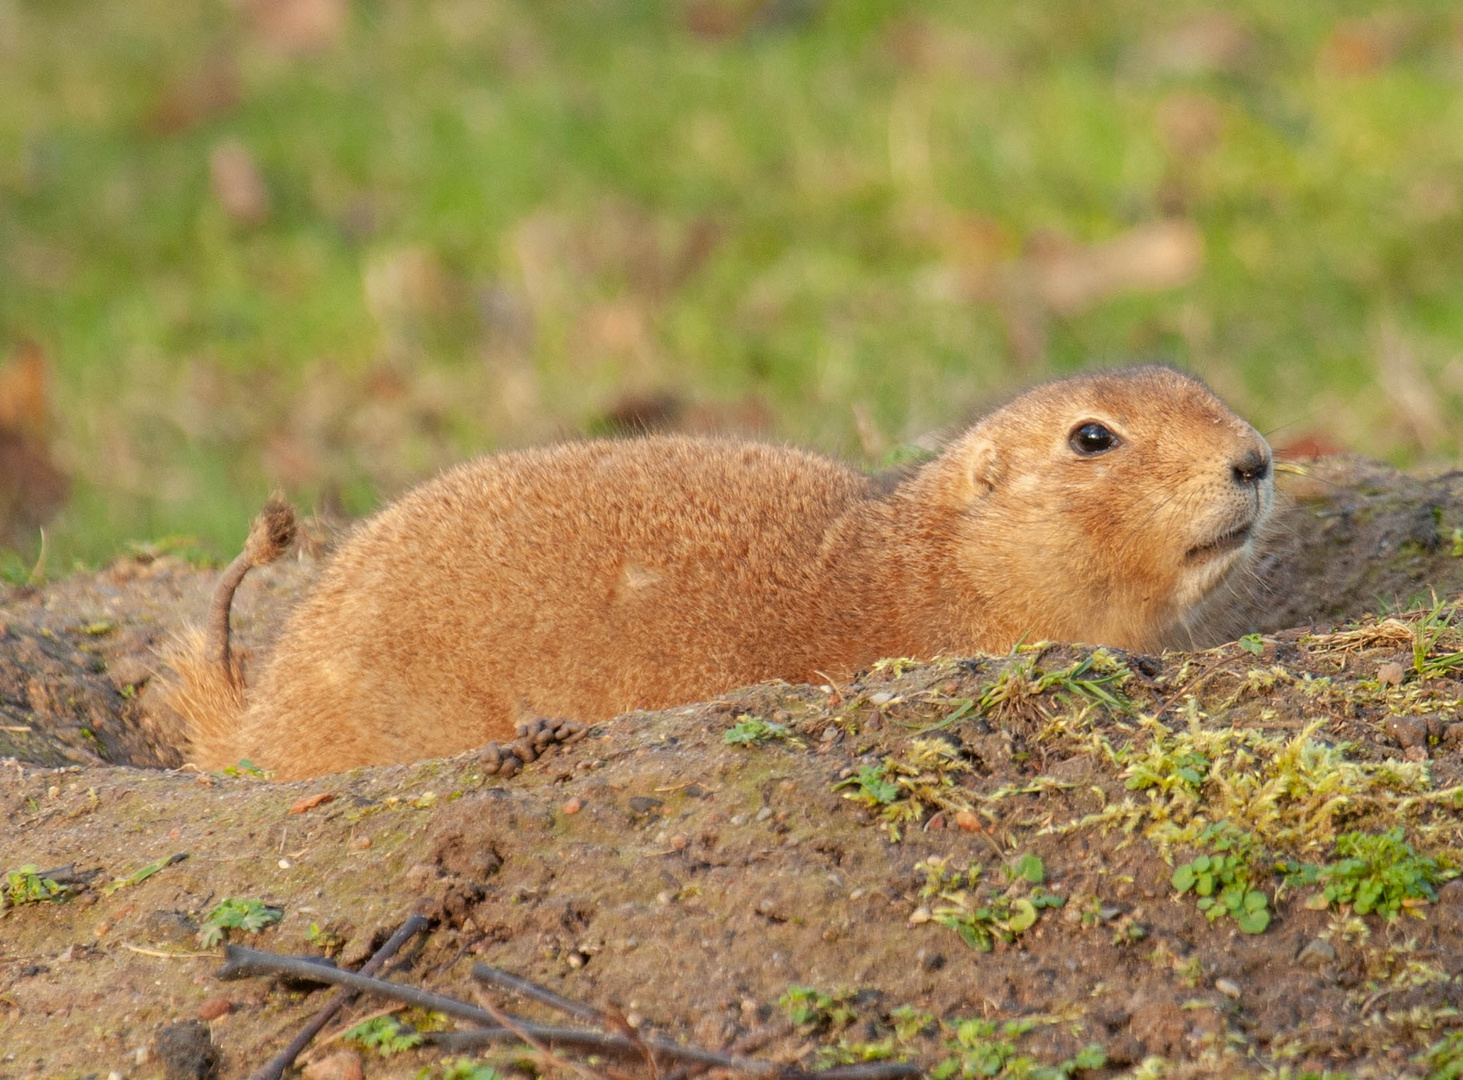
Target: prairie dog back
(590,579)
(587,579)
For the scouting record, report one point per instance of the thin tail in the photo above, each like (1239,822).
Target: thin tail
(206,683)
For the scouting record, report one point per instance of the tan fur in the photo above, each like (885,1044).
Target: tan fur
(591,579)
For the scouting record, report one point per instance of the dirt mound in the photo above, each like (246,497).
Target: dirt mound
(1234,861)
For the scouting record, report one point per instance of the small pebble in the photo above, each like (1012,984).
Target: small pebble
(883,697)
(1407,730)
(1318,953)
(342,1065)
(920,915)
(360,843)
(1227,987)
(574,805)
(764,813)
(214,1007)
(678,842)
(967,820)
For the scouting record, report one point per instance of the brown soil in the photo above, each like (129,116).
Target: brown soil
(697,881)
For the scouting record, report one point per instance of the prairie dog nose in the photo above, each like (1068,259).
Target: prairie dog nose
(1251,467)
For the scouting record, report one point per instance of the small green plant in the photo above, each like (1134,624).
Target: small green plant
(855,1053)
(1095,678)
(141,874)
(27,886)
(997,916)
(752,731)
(1224,879)
(463,1069)
(245,767)
(1444,1058)
(385,1035)
(1457,538)
(984,1048)
(1381,873)
(812,1010)
(909,1022)
(901,791)
(1426,636)
(235,913)
(1252,643)
(872,786)
(324,939)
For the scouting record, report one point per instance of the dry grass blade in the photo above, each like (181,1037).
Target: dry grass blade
(1392,632)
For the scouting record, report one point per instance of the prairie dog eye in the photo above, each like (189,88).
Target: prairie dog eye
(1092,438)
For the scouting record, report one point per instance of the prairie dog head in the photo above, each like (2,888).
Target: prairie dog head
(1106,507)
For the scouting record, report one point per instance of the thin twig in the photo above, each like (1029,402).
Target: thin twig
(506,980)
(594,1042)
(243,963)
(517,1029)
(286,1057)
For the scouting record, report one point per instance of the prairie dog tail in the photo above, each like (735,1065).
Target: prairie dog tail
(206,683)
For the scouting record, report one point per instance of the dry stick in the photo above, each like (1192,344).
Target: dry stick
(506,980)
(243,963)
(286,1057)
(547,1054)
(542,994)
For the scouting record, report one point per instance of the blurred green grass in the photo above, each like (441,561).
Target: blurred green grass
(490,222)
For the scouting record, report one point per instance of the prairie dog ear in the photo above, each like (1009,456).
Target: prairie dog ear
(978,466)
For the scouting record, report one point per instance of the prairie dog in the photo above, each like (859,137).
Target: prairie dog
(593,578)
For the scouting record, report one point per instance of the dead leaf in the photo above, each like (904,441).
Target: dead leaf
(32,487)
(1149,258)
(1365,46)
(24,408)
(298,27)
(309,802)
(405,284)
(1214,41)
(188,101)
(1190,124)
(237,183)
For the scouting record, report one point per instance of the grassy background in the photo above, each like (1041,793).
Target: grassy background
(489,221)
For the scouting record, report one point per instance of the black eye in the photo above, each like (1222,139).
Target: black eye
(1092,438)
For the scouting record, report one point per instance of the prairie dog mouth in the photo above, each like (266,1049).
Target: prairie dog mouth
(1222,544)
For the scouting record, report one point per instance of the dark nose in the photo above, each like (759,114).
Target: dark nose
(1251,467)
